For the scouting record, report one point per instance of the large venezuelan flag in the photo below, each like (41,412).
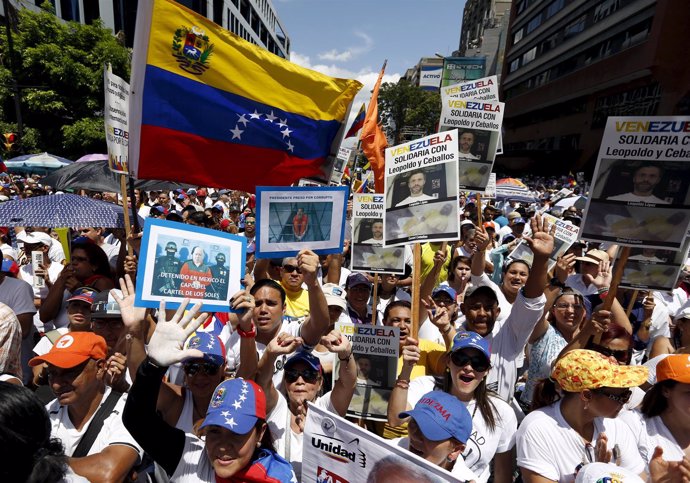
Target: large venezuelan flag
(209,108)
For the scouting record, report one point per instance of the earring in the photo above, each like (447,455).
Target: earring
(449,460)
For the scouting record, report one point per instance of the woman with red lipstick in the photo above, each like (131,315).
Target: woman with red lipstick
(232,444)
(493,420)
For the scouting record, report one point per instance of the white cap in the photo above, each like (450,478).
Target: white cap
(596,472)
(35,238)
(335,295)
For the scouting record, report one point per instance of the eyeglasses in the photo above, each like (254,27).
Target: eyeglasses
(621,398)
(461,359)
(193,368)
(291,268)
(623,356)
(250,223)
(443,301)
(310,376)
(565,306)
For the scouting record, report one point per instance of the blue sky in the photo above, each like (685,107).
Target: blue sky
(352,38)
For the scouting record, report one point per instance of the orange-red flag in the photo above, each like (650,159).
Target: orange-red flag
(373,139)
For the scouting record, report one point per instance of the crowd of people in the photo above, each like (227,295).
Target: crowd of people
(514,371)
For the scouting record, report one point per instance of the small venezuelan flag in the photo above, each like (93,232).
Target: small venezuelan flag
(211,109)
(357,123)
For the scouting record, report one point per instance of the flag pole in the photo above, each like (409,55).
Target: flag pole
(416,289)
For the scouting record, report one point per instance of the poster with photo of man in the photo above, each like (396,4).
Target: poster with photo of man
(181,261)
(654,269)
(641,191)
(293,218)
(421,191)
(367,251)
(479,127)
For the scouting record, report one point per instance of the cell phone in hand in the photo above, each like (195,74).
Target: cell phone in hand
(36,262)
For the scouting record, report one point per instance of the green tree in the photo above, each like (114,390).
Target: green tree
(59,68)
(404,105)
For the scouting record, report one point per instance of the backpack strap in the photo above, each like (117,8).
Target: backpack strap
(96,425)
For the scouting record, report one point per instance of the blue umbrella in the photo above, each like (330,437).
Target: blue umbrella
(61,210)
(42,163)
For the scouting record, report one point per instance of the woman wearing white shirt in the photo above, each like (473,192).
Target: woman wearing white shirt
(564,433)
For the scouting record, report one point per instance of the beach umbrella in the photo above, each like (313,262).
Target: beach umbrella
(92,157)
(42,163)
(514,189)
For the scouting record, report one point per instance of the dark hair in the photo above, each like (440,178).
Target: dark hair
(30,454)
(454,263)
(393,305)
(654,402)
(546,392)
(416,171)
(512,261)
(174,217)
(267,282)
(96,256)
(190,209)
(481,395)
(197,217)
(613,331)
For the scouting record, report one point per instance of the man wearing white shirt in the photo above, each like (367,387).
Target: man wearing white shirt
(644,180)
(415,184)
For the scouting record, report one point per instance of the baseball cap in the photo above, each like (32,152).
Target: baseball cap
(490,225)
(201,192)
(83,294)
(224,192)
(675,367)
(606,473)
(72,349)
(236,405)
(441,416)
(594,256)
(35,238)
(683,314)
(301,355)
(446,289)
(226,223)
(585,369)
(208,343)
(514,215)
(105,306)
(357,279)
(191,191)
(519,221)
(480,290)
(467,339)
(334,295)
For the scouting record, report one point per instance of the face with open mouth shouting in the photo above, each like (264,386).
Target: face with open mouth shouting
(467,369)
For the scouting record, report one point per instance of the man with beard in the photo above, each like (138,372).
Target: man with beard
(466,142)
(644,180)
(415,183)
(376,233)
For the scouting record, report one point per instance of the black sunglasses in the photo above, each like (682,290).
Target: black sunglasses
(291,268)
(310,376)
(623,356)
(194,368)
(461,359)
(622,398)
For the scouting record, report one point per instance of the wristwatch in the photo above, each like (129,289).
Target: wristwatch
(555,282)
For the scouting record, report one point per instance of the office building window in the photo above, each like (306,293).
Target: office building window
(91,11)
(575,27)
(70,10)
(534,23)
(554,7)
(529,56)
(514,65)
(517,36)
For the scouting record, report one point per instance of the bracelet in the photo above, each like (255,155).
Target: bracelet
(249,334)
(347,359)
(402,383)
(603,290)
(603,295)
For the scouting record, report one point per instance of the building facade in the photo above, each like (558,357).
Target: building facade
(570,64)
(484,32)
(254,20)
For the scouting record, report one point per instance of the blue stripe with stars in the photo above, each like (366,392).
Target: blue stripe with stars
(177,103)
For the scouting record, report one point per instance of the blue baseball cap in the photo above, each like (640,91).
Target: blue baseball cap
(357,279)
(301,355)
(236,405)
(441,416)
(446,289)
(466,339)
(518,221)
(208,343)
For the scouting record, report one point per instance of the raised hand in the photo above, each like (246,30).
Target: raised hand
(564,265)
(337,343)
(541,241)
(481,239)
(308,263)
(132,316)
(662,471)
(283,344)
(438,315)
(410,352)
(603,277)
(165,346)
(243,303)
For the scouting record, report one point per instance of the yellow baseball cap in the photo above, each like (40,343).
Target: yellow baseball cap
(584,369)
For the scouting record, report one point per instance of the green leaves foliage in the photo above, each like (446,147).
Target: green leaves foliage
(406,105)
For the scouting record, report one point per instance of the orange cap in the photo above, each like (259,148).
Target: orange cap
(72,349)
(676,367)
(584,369)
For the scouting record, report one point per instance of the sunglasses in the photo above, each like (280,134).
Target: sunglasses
(291,268)
(310,376)
(623,356)
(250,223)
(478,362)
(621,398)
(194,368)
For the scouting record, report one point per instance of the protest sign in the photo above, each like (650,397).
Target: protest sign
(421,190)
(339,165)
(654,269)
(479,125)
(290,219)
(565,235)
(640,195)
(560,194)
(338,451)
(484,89)
(180,261)
(116,117)
(490,190)
(367,250)
(310,182)
(375,349)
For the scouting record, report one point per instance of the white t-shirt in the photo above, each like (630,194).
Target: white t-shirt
(26,273)
(575,281)
(278,421)
(113,431)
(8,251)
(483,443)
(460,469)
(56,252)
(652,432)
(548,446)
(194,466)
(232,357)
(44,344)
